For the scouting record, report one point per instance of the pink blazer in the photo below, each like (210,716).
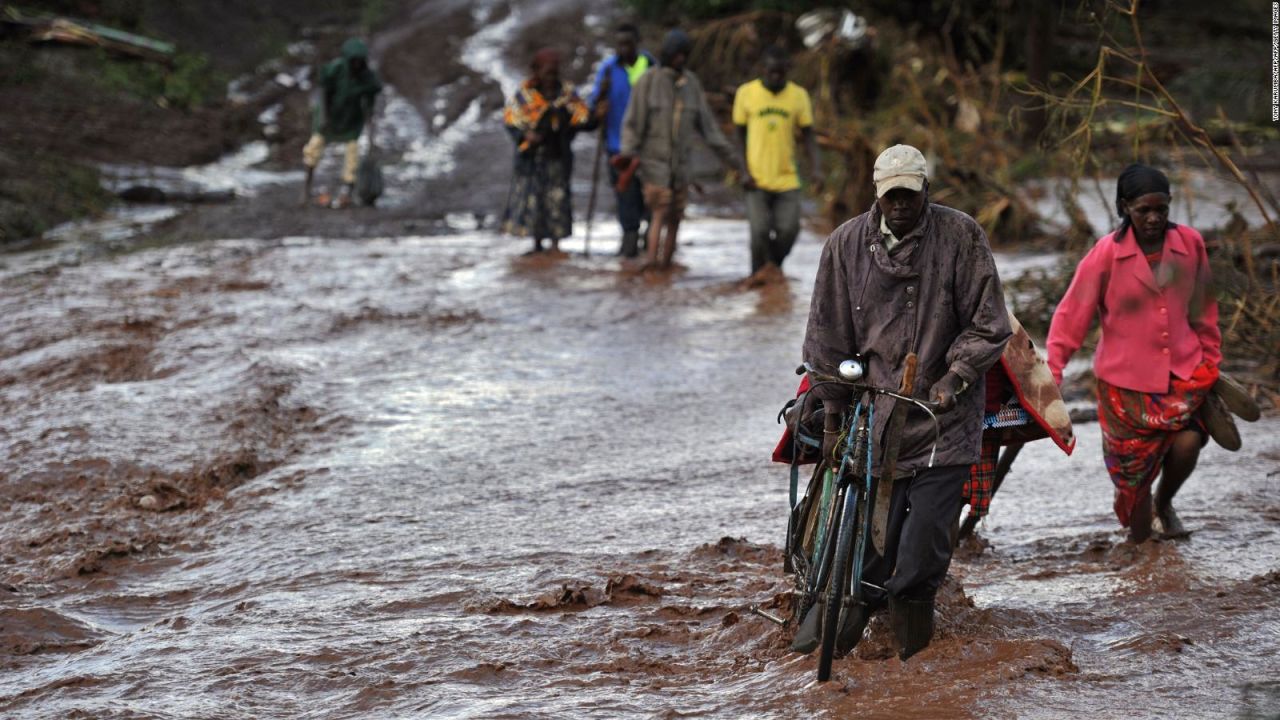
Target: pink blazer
(1151,327)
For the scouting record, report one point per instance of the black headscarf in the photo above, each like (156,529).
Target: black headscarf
(1134,182)
(675,42)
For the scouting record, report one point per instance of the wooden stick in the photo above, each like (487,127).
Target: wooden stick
(595,166)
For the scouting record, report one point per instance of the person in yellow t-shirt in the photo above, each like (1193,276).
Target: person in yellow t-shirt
(768,112)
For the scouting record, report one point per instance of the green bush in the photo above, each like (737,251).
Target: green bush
(187,83)
(372,14)
(716,8)
(39,191)
(191,81)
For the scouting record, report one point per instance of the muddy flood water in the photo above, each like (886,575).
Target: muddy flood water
(427,477)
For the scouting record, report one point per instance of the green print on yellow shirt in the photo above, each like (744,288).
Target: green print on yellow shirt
(771,120)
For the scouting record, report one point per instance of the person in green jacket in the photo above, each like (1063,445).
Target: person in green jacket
(348,88)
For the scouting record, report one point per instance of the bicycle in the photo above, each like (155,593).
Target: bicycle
(827,574)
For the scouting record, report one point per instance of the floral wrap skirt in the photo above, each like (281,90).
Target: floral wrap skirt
(1138,428)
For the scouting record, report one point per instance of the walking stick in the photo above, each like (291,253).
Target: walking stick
(595,166)
(595,183)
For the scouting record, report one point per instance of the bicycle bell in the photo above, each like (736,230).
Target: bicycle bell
(851,370)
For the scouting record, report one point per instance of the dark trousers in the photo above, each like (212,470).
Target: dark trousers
(918,548)
(631,208)
(775,222)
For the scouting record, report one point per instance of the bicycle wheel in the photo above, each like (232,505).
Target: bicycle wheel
(814,524)
(811,586)
(837,582)
(819,524)
(801,530)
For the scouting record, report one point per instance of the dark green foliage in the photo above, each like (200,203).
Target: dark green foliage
(235,35)
(189,82)
(20,66)
(972,26)
(39,190)
(373,13)
(1203,88)
(122,14)
(668,9)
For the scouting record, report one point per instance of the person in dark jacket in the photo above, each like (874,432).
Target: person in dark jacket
(348,88)
(909,277)
(668,109)
(609,100)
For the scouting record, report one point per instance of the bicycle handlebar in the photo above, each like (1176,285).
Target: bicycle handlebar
(925,405)
(930,408)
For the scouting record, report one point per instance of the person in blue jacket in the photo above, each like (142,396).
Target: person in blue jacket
(609,100)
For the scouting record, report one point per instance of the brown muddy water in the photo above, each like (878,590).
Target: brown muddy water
(426,477)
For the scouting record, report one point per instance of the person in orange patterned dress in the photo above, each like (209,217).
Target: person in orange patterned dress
(542,118)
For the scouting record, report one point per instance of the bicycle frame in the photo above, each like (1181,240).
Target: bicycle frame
(863,441)
(857,438)
(832,544)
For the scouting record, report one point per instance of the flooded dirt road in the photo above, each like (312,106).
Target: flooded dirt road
(426,477)
(384,474)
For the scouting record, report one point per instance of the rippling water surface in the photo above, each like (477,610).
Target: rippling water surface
(427,477)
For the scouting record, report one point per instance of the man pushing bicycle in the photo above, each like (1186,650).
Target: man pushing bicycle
(910,287)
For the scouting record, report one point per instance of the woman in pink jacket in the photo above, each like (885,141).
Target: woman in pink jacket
(1157,359)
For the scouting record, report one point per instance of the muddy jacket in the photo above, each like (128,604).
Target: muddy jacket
(938,292)
(665,113)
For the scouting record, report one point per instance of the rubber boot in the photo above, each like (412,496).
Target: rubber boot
(1236,398)
(852,626)
(809,634)
(630,244)
(912,622)
(1217,420)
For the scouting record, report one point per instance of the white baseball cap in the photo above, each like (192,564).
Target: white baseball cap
(901,166)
